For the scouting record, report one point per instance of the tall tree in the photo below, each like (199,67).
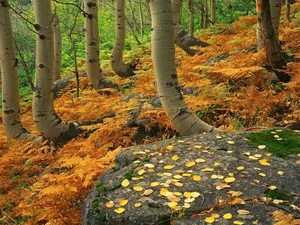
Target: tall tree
(275,8)
(163,56)
(57,48)
(271,41)
(213,10)
(47,121)
(117,63)
(9,71)
(93,67)
(182,38)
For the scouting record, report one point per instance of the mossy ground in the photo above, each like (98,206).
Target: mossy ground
(281,142)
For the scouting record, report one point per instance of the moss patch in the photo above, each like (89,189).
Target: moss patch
(281,142)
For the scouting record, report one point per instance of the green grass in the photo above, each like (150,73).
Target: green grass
(282,142)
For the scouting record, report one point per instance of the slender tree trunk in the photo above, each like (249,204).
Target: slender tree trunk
(163,56)
(192,19)
(48,123)
(213,11)
(271,41)
(206,18)
(117,63)
(57,48)
(287,10)
(275,8)
(9,70)
(141,18)
(94,71)
(183,39)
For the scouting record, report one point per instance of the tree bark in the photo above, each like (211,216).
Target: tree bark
(45,118)
(9,71)
(182,38)
(117,63)
(271,41)
(57,48)
(275,8)
(213,11)
(163,56)
(93,67)
(192,19)
(287,10)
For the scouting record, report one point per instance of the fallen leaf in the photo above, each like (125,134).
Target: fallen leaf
(168,167)
(125,183)
(227,216)
(231,142)
(240,168)
(243,212)
(175,157)
(229,179)
(123,202)
(110,204)
(190,164)
(148,192)
(209,219)
(138,204)
(172,204)
(138,188)
(264,162)
(154,184)
(208,169)
(196,178)
(119,210)
(236,222)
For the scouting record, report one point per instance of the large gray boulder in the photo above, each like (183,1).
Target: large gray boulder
(196,178)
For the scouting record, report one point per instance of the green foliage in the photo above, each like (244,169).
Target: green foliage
(229,11)
(282,142)
(278,194)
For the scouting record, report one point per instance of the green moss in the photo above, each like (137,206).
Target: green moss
(278,194)
(281,142)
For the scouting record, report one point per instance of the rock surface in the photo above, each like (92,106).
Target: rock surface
(195,179)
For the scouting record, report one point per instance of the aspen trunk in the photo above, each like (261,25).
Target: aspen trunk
(9,71)
(45,118)
(163,56)
(182,38)
(271,41)
(93,67)
(275,8)
(117,63)
(57,49)
(192,19)
(213,11)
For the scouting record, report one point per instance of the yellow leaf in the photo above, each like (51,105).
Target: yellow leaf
(110,204)
(187,194)
(172,204)
(209,219)
(200,160)
(177,176)
(190,164)
(208,169)
(119,210)
(177,193)
(196,178)
(272,187)
(236,222)
(227,216)
(178,184)
(264,162)
(240,168)
(262,174)
(268,154)
(261,146)
(195,194)
(123,202)
(280,172)
(170,147)
(138,188)
(125,183)
(175,157)
(189,200)
(231,142)
(141,172)
(168,167)
(198,146)
(138,204)
(186,174)
(154,184)
(229,179)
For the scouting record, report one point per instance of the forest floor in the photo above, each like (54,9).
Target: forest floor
(48,184)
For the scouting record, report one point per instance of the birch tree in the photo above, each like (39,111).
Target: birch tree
(117,63)
(182,38)
(9,72)
(45,118)
(163,56)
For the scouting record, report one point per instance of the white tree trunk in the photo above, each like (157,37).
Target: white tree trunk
(275,8)
(93,67)
(163,56)
(9,71)
(48,123)
(117,63)
(57,48)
